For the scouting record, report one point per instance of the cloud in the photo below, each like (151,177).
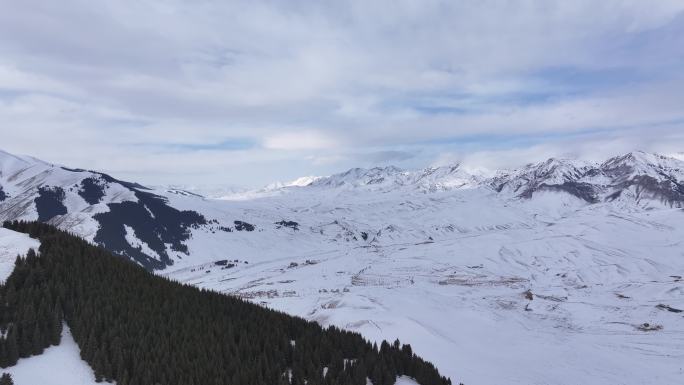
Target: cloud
(302,140)
(301,88)
(389,156)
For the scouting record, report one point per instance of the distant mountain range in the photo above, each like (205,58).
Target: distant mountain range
(637,176)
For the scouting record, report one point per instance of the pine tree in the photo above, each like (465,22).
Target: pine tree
(11,348)
(6,379)
(37,341)
(55,331)
(3,354)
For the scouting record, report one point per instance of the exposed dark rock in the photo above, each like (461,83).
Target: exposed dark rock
(3,196)
(225,263)
(74,169)
(668,308)
(243,226)
(592,172)
(528,295)
(584,191)
(291,224)
(613,196)
(50,203)
(646,327)
(668,190)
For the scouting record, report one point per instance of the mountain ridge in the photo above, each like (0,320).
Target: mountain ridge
(658,175)
(153,226)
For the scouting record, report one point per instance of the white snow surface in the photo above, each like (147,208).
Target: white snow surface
(58,365)
(12,244)
(134,241)
(404,380)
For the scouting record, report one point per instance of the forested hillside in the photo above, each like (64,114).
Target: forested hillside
(139,329)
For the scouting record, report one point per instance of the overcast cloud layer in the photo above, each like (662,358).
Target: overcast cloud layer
(247,92)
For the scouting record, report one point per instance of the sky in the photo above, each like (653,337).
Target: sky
(243,93)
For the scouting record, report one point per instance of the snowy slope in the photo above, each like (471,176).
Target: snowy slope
(58,365)
(11,245)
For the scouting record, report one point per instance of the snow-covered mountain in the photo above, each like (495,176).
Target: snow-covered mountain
(390,178)
(124,217)
(644,179)
(636,178)
(559,272)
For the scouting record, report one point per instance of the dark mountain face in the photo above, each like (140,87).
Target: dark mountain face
(648,176)
(667,190)
(153,222)
(50,202)
(92,190)
(585,191)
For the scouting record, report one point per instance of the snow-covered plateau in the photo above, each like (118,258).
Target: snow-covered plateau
(561,272)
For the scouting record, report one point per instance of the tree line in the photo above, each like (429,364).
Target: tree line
(136,328)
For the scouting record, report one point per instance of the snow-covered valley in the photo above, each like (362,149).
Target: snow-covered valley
(562,272)
(490,290)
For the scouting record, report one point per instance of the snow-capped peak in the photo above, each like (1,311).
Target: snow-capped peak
(526,180)
(357,177)
(303,181)
(643,163)
(11,164)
